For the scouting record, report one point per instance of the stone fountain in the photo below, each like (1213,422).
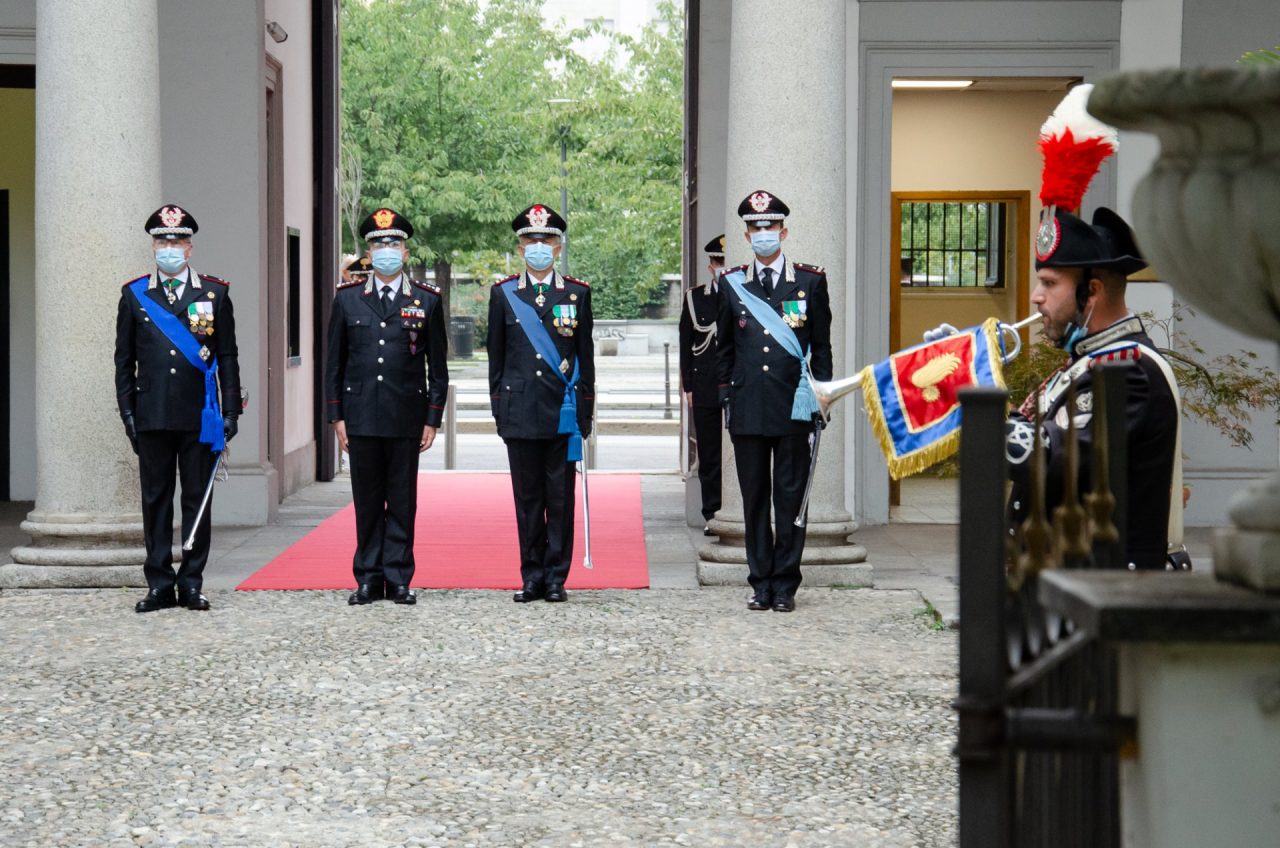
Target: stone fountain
(1208,216)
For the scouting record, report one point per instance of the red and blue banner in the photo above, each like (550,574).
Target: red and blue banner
(912,397)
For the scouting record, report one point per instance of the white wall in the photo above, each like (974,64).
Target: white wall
(299,199)
(17,175)
(213,103)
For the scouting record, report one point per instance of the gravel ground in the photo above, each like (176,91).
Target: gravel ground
(621,718)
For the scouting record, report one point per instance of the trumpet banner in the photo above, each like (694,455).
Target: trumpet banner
(912,397)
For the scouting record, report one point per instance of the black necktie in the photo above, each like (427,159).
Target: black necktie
(768,281)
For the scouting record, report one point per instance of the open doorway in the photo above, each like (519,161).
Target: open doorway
(965,172)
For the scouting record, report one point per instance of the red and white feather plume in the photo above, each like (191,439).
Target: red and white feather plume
(1074,145)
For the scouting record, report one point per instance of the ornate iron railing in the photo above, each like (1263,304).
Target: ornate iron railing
(1039,729)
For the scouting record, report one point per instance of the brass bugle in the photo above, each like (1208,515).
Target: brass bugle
(830,391)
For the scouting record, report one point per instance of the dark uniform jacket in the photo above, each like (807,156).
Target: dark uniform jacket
(757,376)
(1152,429)
(698,370)
(154,381)
(526,392)
(387,373)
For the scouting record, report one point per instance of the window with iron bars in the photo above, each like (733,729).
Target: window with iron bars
(954,244)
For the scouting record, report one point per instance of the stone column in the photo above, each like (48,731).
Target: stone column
(97,179)
(787,136)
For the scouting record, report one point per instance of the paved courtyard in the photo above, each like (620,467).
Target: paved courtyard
(660,717)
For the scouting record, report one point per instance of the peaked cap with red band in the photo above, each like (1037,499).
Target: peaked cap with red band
(385,225)
(539,220)
(171,221)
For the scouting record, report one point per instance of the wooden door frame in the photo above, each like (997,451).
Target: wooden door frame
(1017,266)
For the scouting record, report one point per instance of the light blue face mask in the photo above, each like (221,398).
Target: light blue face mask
(766,242)
(171,260)
(388,260)
(539,255)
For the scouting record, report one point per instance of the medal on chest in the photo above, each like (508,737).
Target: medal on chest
(200,317)
(794,313)
(564,317)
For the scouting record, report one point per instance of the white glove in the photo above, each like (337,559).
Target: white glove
(939,332)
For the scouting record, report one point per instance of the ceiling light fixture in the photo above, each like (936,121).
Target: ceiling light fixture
(932,83)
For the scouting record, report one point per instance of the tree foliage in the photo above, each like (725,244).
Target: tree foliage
(445,104)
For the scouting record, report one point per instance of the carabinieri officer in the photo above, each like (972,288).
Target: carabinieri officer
(698,376)
(542,386)
(176,358)
(771,323)
(386,382)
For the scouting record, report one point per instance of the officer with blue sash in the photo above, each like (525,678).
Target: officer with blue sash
(774,332)
(542,389)
(178,388)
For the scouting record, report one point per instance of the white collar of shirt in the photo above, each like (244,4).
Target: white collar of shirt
(545,281)
(379,286)
(184,276)
(776,266)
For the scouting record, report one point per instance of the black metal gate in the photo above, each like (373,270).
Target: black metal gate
(1039,729)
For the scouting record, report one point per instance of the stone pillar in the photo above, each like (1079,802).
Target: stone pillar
(787,136)
(97,179)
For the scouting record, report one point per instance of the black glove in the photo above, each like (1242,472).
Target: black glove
(819,421)
(130,430)
(230,426)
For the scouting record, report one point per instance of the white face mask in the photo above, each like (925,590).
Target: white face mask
(766,242)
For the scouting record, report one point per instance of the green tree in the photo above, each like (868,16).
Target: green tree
(626,163)
(444,103)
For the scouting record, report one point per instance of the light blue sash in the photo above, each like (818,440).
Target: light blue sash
(546,346)
(211,430)
(805,403)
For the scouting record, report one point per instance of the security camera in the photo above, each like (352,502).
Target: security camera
(276,31)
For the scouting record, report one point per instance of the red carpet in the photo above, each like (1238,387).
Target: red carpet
(466,539)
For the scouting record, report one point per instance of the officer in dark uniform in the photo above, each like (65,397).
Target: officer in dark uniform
(698,376)
(178,388)
(386,381)
(533,410)
(1081,271)
(758,381)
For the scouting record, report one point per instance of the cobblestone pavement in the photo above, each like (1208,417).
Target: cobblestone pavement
(665,717)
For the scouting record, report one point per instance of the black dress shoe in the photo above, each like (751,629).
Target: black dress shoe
(529,592)
(401,595)
(556,595)
(365,593)
(707,531)
(193,601)
(156,601)
(759,601)
(784,604)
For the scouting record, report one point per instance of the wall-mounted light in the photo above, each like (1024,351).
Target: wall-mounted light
(277,32)
(932,83)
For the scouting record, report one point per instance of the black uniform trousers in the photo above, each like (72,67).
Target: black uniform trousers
(777,468)
(384,487)
(160,452)
(707,429)
(543,485)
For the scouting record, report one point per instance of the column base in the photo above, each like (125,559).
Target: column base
(829,558)
(77,551)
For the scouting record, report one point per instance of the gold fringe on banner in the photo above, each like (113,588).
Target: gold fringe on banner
(921,458)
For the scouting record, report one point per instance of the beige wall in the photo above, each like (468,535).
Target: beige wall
(967,141)
(17,175)
(295,55)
